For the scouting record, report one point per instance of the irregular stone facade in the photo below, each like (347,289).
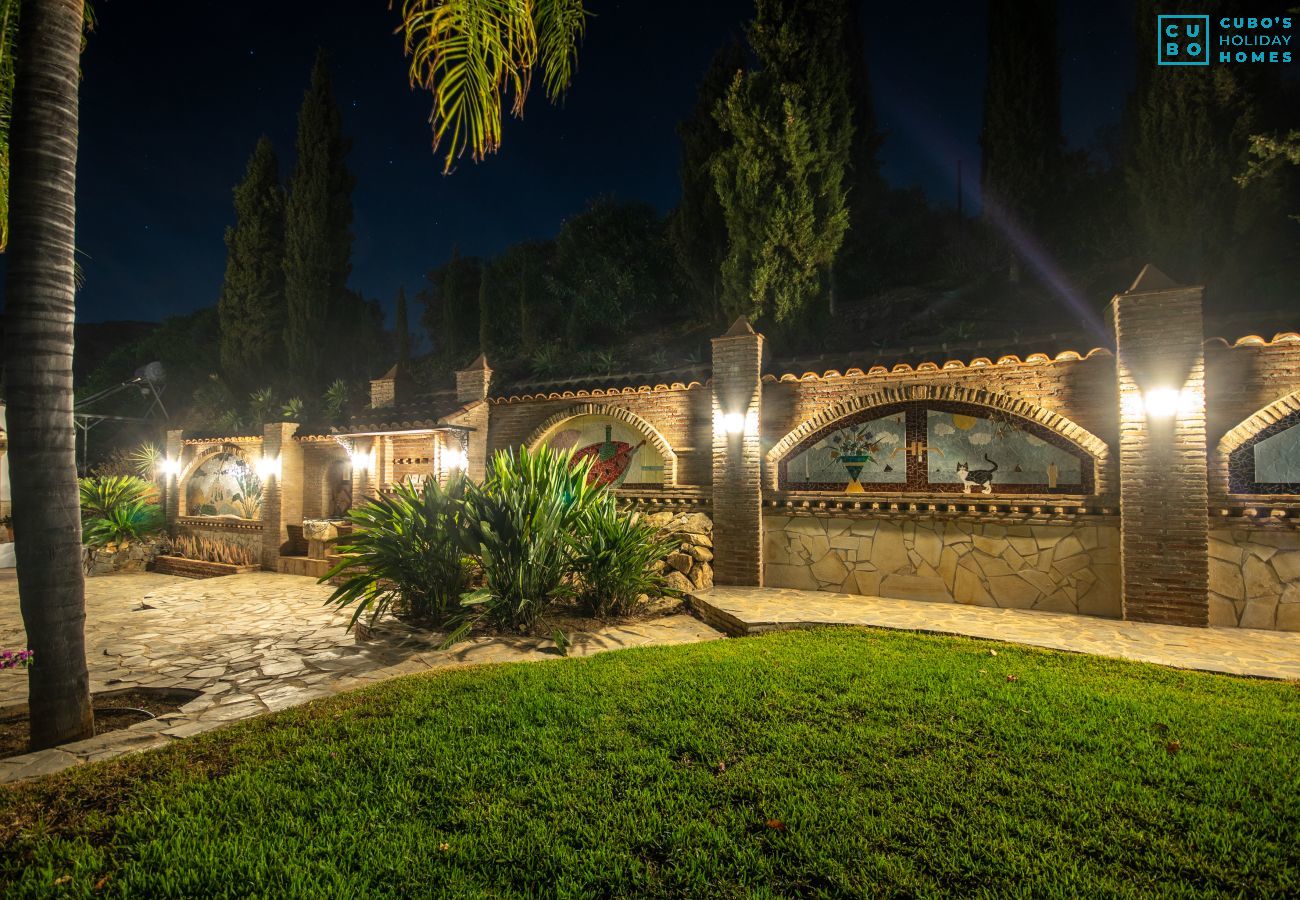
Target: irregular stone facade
(1056,567)
(690,565)
(1255,578)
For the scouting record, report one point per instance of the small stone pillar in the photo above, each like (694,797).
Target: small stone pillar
(282,488)
(737,456)
(393,387)
(1162,460)
(173,448)
(472,386)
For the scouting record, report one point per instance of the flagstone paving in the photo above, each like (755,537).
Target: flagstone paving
(252,644)
(1237,651)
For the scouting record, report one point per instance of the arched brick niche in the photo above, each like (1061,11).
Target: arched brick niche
(584,417)
(938,439)
(1262,454)
(221,482)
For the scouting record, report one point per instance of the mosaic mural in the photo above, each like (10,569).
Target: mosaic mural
(224,485)
(937,447)
(620,455)
(867,453)
(983,454)
(1268,463)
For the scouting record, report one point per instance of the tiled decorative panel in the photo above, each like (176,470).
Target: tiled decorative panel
(1268,463)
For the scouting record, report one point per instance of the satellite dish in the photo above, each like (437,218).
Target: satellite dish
(153,372)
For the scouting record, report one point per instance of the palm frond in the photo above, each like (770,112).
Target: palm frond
(471,53)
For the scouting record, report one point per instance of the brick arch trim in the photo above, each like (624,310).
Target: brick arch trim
(1279,409)
(188,472)
(640,425)
(1054,422)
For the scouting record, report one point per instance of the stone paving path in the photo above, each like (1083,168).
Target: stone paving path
(253,644)
(1237,651)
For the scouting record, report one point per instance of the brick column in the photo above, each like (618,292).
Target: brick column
(737,456)
(172,451)
(281,490)
(1163,474)
(472,386)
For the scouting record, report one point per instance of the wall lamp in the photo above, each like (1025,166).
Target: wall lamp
(362,460)
(733,422)
(170,468)
(454,459)
(268,467)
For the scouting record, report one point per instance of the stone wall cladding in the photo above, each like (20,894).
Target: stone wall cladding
(1068,567)
(1255,577)
(689,566)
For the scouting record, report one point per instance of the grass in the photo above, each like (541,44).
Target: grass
(841,761)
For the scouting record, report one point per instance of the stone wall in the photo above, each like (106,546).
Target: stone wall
(690,565)
(1064,567)
(117,559)
(1255,577)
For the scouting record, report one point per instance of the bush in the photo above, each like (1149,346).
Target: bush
(118,508)
(406,549)
(612,554)
(519,529)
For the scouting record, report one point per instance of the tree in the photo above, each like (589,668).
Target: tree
(252,302)
(1020,141)
(613,266)
(865,259)
(450,315)
(697,227)
(486,314)
(781,182)
(317,235)
(401,330)
(39,313)
(471,53)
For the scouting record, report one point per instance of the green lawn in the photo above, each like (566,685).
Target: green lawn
(843,761)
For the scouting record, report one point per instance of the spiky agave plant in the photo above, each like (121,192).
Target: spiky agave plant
(518,529)
(405,551)
(470,53)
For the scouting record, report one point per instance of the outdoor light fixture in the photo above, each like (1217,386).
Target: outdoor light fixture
(362,460)
(1165,403)
(170,468)
(734,422)
(455,459)
(267,467)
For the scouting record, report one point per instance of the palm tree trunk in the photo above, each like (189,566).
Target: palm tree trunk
(39,301)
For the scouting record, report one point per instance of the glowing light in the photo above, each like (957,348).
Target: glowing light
(268,467)
(455,459)
(170,468)
(362,460)
(734,422)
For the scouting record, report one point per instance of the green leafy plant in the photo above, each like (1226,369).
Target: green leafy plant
(518,529)
(612,556)
(118,509)
(146,460)
(293,410)
(545,360)
(261,406)
(406,550)
(336,400)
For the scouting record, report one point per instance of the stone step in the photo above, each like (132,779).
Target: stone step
(304,565)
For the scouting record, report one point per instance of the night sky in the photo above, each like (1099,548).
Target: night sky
(175,96)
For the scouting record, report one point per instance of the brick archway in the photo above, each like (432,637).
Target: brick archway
(1262,423)
(1054,422)
(640,425)
(183,479)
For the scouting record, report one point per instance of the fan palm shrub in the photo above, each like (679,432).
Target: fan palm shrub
(519,529)
(405,551)
(612,556)
(118,508)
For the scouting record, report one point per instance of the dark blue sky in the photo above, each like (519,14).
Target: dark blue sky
(175,95)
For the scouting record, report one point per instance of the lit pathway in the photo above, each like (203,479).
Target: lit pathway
(1238,651)
(251,644)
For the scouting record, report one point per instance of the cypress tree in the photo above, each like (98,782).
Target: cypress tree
(1020,140)
(251,308)
(401,333)
(318,242)
(697,227)
(782,181)
(484,311)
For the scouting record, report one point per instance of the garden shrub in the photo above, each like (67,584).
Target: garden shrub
(406,549)
(117,509)
(612,555)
